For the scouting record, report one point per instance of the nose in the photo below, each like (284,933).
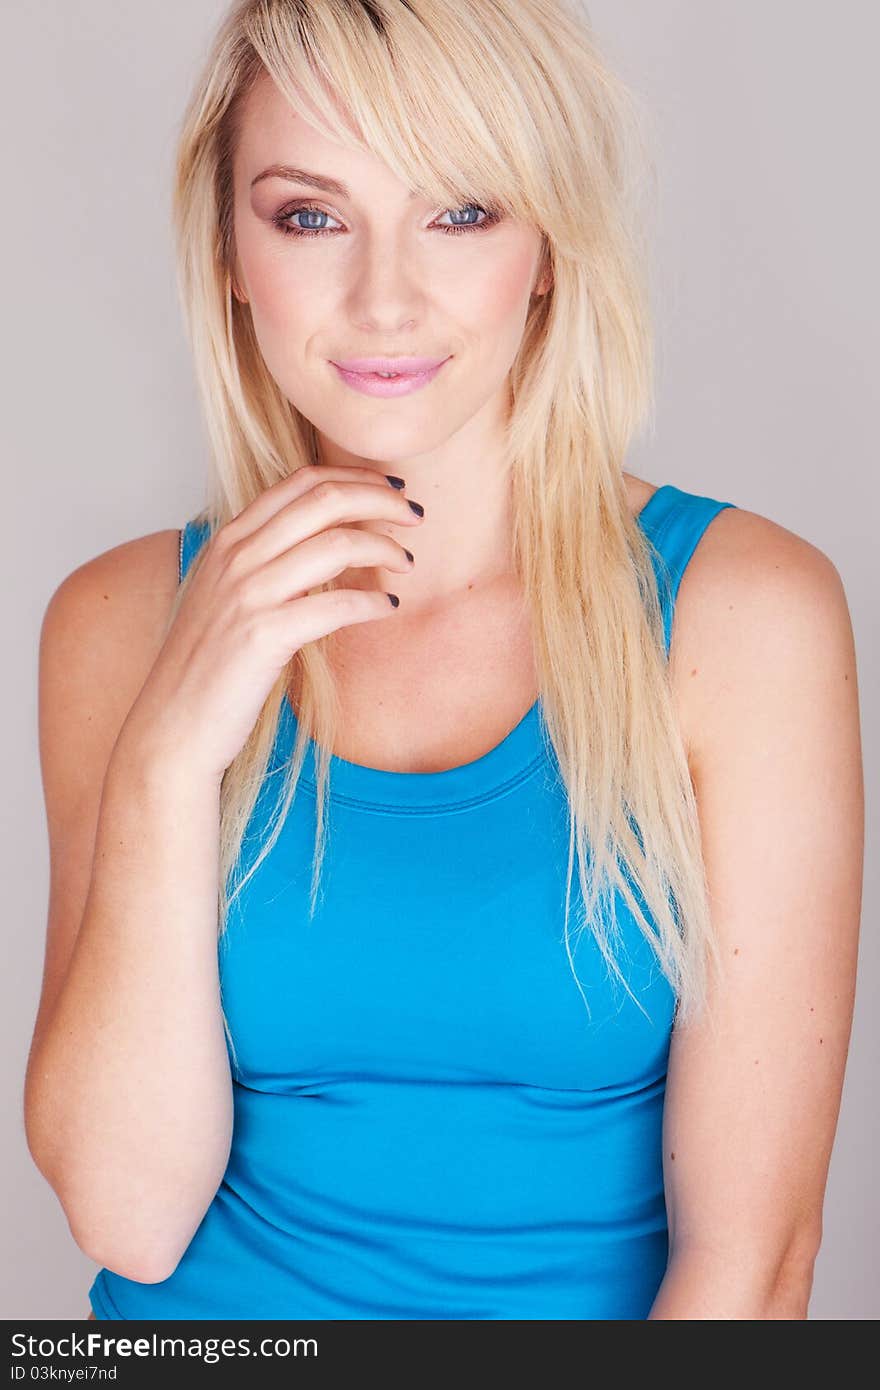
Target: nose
(386,293)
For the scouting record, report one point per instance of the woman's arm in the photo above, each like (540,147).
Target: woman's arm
(128,1106)
(765,666)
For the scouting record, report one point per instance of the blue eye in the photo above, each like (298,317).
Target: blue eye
(490,219)
(283,221)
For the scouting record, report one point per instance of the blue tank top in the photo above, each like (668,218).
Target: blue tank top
(428,1124)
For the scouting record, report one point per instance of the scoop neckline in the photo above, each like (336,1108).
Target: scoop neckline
(497,772)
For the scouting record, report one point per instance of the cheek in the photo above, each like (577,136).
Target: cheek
(498,298)
(279,290)
(287,308)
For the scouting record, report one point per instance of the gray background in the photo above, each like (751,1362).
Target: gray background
(766,240)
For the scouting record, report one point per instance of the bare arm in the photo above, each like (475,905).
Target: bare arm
(767,670)
(128,1107)
(128,1096)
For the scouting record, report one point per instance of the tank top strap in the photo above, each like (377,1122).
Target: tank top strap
(674,522)
(192,538)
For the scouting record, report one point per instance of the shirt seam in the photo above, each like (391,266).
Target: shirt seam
(437,808)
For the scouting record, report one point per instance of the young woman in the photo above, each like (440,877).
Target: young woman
(436,929)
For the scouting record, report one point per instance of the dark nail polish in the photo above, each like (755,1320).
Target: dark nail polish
(408,553)
(395,601)
(395,482)
(417,508)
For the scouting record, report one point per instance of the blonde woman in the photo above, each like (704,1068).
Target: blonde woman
(436,929)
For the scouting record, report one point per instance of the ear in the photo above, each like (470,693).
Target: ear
(545,277)
(545,281)
(239,294)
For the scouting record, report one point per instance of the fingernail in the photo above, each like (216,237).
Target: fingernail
(408,553)
(395,601)
(417,507)
(395,482)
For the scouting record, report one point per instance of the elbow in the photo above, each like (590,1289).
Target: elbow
(139,1226)
(141,1241)
(142,1257)
(753,1277)
(794,1280)
(141,1245)
(791,1295)
(142,1262)
(131,1241)
(138,1271)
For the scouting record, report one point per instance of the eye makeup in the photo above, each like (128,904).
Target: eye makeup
(282,221)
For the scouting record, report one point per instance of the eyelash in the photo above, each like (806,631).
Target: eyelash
(281,222)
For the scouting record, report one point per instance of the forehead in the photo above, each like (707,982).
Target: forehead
(271,131)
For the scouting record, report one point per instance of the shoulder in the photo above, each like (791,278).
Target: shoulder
(100,633)
(143,561)
(114,597)
(757,604)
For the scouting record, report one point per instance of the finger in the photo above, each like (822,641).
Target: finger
(301,481)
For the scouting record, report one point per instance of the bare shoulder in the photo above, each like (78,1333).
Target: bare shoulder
(756,601)
(134,571)
(101,632)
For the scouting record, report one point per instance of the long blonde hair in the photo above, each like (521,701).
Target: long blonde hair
(505,103)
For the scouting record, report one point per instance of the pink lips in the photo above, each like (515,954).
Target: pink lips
(361,373)
(407,365)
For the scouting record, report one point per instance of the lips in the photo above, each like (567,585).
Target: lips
(396,366)
(369,381)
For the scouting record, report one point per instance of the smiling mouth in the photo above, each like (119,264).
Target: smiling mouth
(388,366)
(379,378)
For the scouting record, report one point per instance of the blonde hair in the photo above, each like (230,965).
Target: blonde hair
(508,104)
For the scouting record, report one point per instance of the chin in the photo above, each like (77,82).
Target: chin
(387,445)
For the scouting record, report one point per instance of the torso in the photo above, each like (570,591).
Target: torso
(445,693)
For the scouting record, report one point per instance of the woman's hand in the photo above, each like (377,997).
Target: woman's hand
(248,609)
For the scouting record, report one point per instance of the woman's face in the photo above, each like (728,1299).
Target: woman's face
(371,273)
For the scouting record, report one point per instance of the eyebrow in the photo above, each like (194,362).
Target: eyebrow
(294,175)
